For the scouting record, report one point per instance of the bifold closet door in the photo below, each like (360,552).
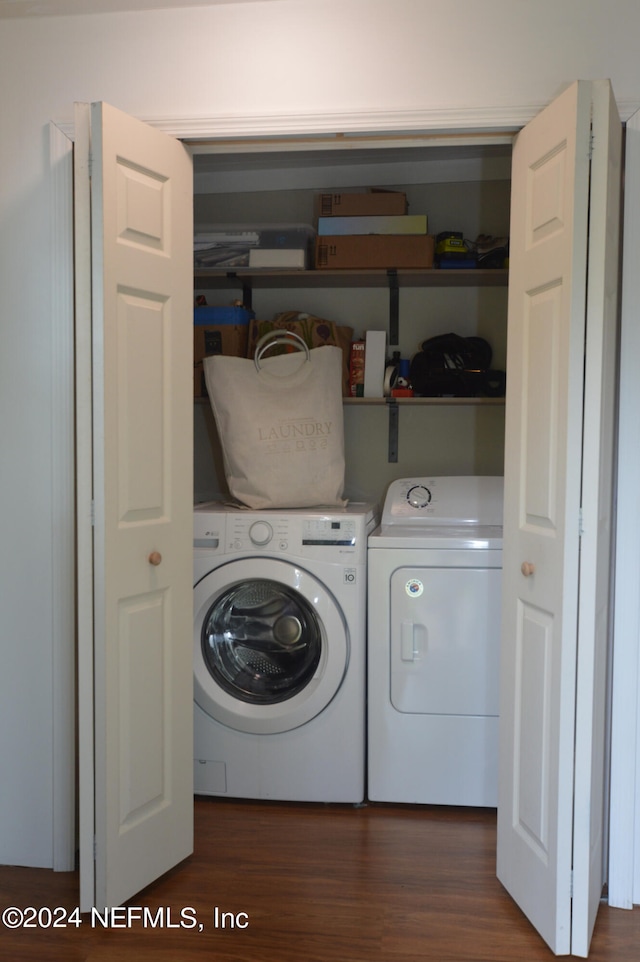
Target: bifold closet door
(557,521)
(135,496)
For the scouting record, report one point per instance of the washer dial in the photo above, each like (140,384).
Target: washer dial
(260,532)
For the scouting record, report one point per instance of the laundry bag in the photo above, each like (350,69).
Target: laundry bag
(280,423)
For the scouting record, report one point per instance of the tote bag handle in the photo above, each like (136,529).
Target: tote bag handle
(272,338)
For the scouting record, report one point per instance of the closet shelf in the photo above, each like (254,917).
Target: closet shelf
(416,277)
(403,401)
(424,400)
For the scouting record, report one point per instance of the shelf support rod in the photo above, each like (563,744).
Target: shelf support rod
(394,306)
(392,406)
(247,291)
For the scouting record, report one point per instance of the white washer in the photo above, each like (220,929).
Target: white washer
(434,642)
(280,652)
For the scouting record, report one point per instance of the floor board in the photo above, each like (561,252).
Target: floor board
(314,883)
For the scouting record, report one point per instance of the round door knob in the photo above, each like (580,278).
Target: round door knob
(155,558)
(527,568)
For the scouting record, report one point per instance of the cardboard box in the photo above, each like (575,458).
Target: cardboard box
(390,202)
(373,224)
(199,384)
(386,252)
(218,330)
(230,339)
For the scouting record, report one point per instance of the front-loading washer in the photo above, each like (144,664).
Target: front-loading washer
(435,569)
(280,652)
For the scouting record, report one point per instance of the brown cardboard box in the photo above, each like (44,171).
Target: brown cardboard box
(199,385)
(363,203)
(382,251)
(230,339)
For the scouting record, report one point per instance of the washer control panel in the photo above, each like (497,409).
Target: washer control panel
(245,532)
(324,535)
(337,532)
(288,533)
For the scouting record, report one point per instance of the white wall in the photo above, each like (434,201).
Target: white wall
(250,67)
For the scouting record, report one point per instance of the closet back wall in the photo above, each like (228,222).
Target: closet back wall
(432,439)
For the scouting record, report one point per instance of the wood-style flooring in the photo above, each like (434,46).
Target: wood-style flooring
(313,883)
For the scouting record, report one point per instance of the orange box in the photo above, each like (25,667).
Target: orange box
(363,203)
(386,251)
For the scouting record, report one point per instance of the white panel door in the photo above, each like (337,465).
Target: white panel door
(551,615)
(138,383)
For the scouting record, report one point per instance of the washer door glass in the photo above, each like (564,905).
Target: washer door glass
(270,645)
(261,642)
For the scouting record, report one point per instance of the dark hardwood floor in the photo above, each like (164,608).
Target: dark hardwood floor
(313,883)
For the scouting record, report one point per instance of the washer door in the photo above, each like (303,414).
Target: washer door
(270,645)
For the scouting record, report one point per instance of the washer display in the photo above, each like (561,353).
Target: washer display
(279,652)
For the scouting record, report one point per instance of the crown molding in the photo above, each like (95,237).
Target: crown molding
(450,120)
(496,120)
(361,122)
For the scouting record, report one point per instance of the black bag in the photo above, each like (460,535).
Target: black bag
(453,366)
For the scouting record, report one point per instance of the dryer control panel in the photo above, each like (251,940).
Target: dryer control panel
(444,501)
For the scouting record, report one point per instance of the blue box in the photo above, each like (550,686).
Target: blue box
(218,316)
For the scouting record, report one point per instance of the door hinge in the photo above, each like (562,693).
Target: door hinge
(92,513)
(95,848)
(571,885)
(580,527)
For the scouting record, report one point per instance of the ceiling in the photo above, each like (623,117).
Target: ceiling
(12,9)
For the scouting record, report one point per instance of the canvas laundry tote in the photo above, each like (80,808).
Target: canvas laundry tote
(280,422)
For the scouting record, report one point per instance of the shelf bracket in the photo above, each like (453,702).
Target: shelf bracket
(394,306)
(392,406)
(247,291)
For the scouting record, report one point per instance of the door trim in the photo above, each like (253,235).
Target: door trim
(625,714)
(61,413)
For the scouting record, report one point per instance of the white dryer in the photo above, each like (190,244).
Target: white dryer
(280,652)
(434,642)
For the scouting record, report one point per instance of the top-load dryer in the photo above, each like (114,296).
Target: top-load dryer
(434,642)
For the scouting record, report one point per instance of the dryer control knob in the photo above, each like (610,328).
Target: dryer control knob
(260,532)
(418,496)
